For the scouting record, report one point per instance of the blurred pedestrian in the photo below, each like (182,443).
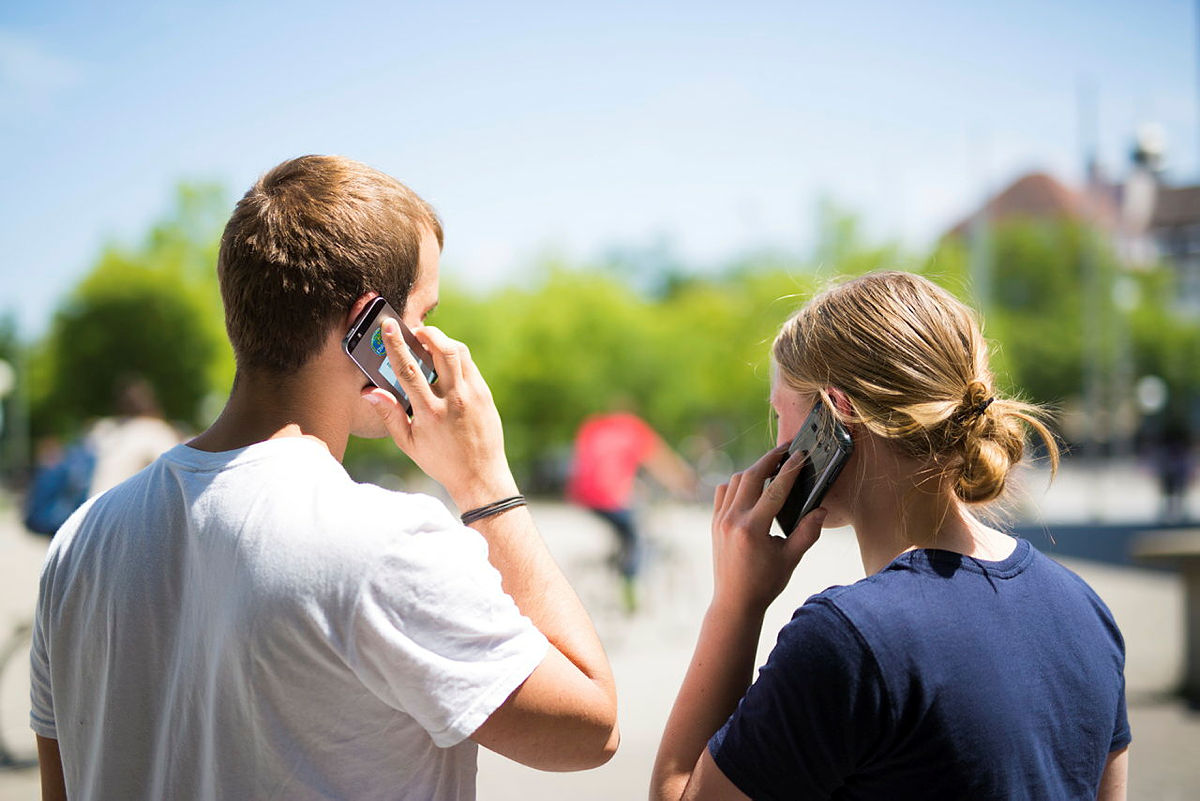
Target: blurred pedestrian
(109,451)
(966,664)
(243,620)
(609,450)
(1175,464)
(130,440)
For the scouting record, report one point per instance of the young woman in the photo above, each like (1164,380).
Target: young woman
(966,665)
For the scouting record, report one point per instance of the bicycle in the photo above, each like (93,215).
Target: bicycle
(18,749)
(670,587)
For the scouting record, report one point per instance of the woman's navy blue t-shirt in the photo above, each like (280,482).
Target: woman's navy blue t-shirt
(941,676)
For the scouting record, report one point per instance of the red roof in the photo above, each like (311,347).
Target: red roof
(1038,196)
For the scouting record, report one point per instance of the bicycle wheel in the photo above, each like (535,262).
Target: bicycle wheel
(18,747)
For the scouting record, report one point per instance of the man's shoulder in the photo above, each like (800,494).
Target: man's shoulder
(295,502)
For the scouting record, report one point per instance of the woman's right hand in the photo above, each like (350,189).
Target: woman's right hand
(751,567)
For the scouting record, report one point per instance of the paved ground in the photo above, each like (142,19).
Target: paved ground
(649,652)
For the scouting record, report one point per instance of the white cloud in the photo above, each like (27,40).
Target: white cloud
(30,71)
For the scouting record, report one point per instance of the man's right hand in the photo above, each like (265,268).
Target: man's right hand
(564,715)
(455,435)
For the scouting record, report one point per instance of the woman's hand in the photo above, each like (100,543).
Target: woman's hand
(750,566)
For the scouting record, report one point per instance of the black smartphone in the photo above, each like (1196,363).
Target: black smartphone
(826,445)
(364,344)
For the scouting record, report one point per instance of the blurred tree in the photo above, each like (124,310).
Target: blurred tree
(153,310)
(842,248)
(688,350)
(576,342)
(1036,323)
(1035,315)
(1166,344)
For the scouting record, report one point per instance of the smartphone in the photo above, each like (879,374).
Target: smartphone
(826,445)
(364,344)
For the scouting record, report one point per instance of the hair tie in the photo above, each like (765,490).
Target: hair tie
(974,411)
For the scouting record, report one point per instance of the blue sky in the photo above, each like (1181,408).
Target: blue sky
(571,128)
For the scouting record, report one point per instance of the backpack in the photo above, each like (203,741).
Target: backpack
(59,489)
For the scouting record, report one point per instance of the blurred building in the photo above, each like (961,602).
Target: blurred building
(1149,221)
(1039,196)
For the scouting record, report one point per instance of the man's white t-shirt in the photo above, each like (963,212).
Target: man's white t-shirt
(255,624)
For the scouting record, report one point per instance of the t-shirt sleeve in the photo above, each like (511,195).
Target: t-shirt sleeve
(434,634)
(41,714)
(1122,734)
(814,714)
(1111,649)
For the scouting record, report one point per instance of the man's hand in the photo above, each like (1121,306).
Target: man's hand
(564,715)
(750,566)
(455,435)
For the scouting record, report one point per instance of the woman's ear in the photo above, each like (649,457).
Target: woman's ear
(840,402)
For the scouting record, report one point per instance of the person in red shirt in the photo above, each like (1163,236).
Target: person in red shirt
(609,450)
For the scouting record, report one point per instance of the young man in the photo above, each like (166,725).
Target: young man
(242,620)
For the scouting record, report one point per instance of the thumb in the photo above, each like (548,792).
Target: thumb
(806,533)
(398,426)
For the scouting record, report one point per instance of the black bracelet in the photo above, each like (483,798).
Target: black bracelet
(494,508)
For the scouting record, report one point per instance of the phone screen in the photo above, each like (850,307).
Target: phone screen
(826,445)
(364,344)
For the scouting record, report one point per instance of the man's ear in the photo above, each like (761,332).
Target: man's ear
(357,307)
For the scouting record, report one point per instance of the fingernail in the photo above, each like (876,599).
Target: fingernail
(371,399)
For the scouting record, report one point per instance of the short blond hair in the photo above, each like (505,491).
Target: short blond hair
(305,242)
(913,363)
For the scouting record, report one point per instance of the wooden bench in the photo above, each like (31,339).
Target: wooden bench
(1179,548)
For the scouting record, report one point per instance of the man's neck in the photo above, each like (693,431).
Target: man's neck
(265,406)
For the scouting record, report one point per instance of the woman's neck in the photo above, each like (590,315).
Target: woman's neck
(901,513)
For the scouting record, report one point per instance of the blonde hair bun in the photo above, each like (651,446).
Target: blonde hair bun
(913,364)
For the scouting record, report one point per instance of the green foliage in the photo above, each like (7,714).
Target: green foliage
(1166,341)
(152,311)
(581,341)
(1034,315)
(1060,299)
(688,351)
